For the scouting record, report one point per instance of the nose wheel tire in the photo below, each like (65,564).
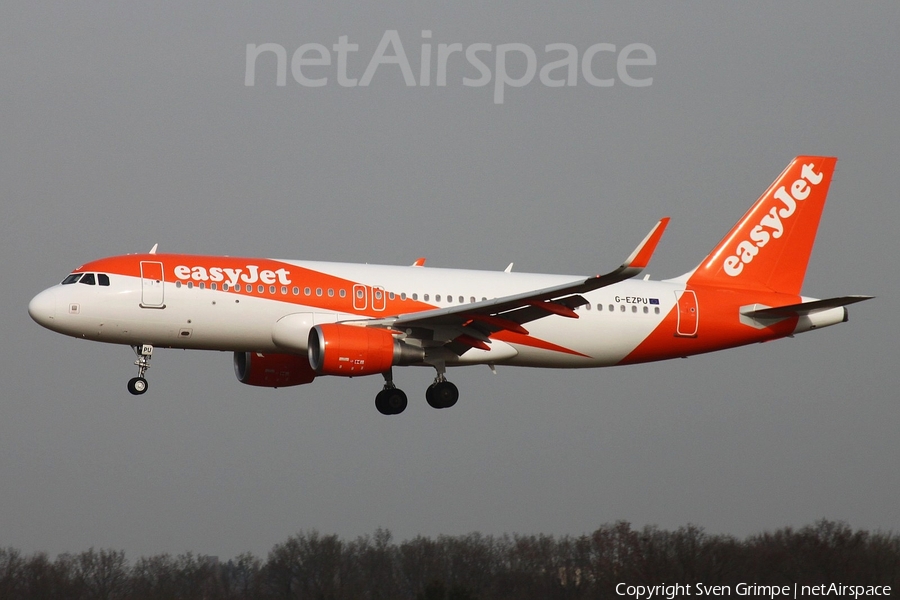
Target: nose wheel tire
(391,401)
(442,394)
(137,385)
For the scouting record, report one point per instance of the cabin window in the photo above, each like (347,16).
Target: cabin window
(318,291)
(307,291)
(331,292)
(343,293)
(656,309)
(271,289)
(646,310)
(295,290)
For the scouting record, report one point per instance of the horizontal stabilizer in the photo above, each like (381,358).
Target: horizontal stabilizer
(803,309)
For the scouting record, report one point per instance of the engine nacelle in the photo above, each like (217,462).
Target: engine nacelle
(353,351)
(272,370)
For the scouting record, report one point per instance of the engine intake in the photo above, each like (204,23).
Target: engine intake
(351,351)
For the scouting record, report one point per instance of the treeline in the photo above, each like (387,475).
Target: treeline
(514,567)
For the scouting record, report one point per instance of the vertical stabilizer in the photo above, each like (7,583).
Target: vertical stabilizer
(769,248)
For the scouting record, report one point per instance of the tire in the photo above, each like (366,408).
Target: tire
(137,385)
(391,401)
(442,394)
(396,401)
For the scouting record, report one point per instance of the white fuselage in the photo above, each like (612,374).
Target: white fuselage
(185,315)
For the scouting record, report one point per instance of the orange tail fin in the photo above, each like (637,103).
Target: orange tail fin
(769,247)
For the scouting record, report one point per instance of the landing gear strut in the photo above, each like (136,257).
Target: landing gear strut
(138,385)
(441,393)
(390,400)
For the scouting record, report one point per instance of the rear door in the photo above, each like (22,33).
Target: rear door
(688,313)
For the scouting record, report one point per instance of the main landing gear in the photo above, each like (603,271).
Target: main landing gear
(138,385)
(441,393)
(392,400)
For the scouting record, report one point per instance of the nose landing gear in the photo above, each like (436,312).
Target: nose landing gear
(138,385)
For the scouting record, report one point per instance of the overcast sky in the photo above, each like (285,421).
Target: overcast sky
(127,124)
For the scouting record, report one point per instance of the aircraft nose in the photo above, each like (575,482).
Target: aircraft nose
(42,307)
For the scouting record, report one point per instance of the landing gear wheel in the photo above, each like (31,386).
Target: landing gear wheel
(441,394)
(391,401)
(137,385)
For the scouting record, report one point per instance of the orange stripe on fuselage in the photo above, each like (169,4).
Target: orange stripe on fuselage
(250,271)
(719,326)
(511,337)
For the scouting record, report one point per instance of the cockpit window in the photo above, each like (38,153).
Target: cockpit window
(103,278)
(88,279)
(71,278)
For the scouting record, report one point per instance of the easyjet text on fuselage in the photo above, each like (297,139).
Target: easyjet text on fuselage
(247,274)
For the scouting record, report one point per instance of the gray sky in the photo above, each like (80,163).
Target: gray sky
(128,124)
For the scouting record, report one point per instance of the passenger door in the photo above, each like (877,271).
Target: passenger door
(152,285)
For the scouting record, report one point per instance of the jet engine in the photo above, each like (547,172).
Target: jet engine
(272,370)
(352,351)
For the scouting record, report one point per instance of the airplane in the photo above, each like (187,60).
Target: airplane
(288,322)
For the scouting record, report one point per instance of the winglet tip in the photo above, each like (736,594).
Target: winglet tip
(640,258)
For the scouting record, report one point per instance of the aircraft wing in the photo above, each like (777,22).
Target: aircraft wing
(467,326)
